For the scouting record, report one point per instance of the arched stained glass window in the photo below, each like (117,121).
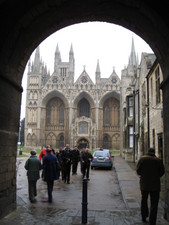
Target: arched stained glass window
(55,112)
(84,108)
(61,141)
(61,115)
(106,115)
(105,142)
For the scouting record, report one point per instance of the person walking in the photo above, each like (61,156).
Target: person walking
(33,166)
(43,152)
(150,169)
(66,163)
(81,157)
(59,157)
(75,160)
(86,158)
(52,149)
(50,171)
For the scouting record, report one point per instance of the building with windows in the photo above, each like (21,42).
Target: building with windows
(141,107)
(121,114)
(60,110)
(155,109)
(127,105)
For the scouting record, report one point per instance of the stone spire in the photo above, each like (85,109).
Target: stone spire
(57,55)
(132,65)
(71,54)
(71,65)
(98,73)
(98,67)
(37,62)
(133,58)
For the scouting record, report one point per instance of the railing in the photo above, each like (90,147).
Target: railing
(55,127)
(111,129)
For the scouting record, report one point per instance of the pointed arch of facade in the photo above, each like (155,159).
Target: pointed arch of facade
(106,141)
(31,139)
(53,94)
(112,94)
(83,142)
(116,141)
(85,95)
(51,139)
(61,139)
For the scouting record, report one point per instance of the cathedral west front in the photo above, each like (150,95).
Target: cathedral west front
(60,110)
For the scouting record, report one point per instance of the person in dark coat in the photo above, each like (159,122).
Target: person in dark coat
(59,157)
(75,160)
(33,166)
(52,149)
(150,168)
(86,158)
(81,156)
(66,163)
(50,171)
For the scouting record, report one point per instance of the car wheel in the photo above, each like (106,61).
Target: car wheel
(91,167)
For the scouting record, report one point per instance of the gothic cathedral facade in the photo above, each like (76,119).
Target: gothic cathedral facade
(60,110)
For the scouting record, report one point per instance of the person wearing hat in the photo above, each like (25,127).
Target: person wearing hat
(66,163)
(75,160)
(33,166)
(150,168)
(50,171)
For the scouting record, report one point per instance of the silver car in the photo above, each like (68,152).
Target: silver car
(102,158)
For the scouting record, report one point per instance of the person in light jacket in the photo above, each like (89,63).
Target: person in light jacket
(33,167)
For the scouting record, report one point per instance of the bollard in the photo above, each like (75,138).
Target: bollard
(84,202)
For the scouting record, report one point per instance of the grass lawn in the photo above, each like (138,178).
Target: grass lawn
(24,152)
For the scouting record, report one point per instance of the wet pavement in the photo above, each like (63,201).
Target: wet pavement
(113,198)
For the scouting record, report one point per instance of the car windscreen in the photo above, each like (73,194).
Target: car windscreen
(101,154)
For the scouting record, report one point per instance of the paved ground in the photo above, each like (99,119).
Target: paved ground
(113,198)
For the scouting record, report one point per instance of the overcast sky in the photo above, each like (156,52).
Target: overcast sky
(93,41)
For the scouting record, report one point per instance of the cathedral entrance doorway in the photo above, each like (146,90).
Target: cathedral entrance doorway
(83,143)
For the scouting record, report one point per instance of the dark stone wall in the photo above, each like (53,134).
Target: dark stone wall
(165,88)
(9,126)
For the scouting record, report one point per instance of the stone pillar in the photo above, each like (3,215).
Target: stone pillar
(10,93)
(165,88)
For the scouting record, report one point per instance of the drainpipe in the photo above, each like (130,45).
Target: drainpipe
(138,128)
(148,121)
(138,112)
(134,136)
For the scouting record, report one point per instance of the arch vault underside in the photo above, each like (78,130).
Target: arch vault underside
(25,25)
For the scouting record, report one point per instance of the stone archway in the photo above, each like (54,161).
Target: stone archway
(26,25)
(82,143)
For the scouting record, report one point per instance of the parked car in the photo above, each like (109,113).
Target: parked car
(102,158)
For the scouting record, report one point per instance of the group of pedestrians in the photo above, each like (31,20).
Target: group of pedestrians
(69,159)
(149,167)
(55,165)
